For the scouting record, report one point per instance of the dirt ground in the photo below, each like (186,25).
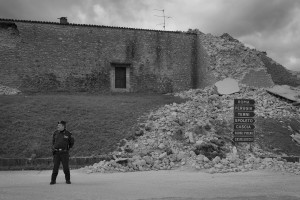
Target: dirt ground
(151,185)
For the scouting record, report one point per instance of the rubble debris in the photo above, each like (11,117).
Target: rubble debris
(197,134)
(228,37)
(286,92)
(296,103)
(4,90)
(296,138)
(227,86)
(228,57)
(187,135)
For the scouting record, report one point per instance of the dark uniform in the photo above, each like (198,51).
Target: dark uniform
(62,141)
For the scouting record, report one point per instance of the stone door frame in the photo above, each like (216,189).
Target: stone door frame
(113,76)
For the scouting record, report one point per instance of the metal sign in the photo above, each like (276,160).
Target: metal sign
(243,120)
(244,101)
(243,133)
(244,114)
(244,127)
(243,139)
(244,108)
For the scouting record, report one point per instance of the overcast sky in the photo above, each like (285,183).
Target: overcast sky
(268,25)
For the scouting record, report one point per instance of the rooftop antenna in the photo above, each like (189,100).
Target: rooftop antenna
(164,16)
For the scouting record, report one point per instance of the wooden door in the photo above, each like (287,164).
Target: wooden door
(120,77)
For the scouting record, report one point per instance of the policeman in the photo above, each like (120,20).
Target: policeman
(62,141)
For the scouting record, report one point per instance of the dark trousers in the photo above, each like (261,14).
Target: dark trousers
(62,157)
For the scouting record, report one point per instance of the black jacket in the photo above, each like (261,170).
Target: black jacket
(62,140)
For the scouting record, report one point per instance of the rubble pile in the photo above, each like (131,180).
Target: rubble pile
(280,165)
(197,134)
(4,90)
(266,105)
(229,57)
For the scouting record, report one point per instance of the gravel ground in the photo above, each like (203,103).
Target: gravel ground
(177,184)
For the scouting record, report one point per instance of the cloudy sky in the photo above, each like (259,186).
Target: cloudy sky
(268,25)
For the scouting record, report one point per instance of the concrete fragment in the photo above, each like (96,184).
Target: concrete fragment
(180,155)
(150,141)
(191,137)
(224,161)
(286,91)
(139,163)
(205,159)
(296,138)
(161,146)
(212,170)
(216,160)
(148,160)
(163,155)
(198,130)
(198,143)
(206,165)
(218,166)
(227,86)
(200,158)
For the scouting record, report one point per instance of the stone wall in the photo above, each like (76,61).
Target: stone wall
(259,79)
(51,56)
(280,75)
(46,163)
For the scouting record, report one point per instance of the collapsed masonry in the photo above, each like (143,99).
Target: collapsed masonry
(229,58)
(197,134)
(4,90)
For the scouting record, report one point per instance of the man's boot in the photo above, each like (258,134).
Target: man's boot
(52,182)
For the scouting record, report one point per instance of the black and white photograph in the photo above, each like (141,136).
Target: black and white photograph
(150,99)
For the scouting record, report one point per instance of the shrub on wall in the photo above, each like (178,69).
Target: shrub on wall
(75,82)
(40,82)
(94,81)
(153,83)
(166,84)
(98,80)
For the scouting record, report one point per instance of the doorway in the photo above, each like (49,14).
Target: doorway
(120,77)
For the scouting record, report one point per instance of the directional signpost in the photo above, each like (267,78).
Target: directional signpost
(243,127)
(244,114)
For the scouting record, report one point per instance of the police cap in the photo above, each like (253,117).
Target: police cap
(64,123)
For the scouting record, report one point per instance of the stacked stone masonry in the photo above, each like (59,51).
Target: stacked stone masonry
(68,57)
(52,56)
